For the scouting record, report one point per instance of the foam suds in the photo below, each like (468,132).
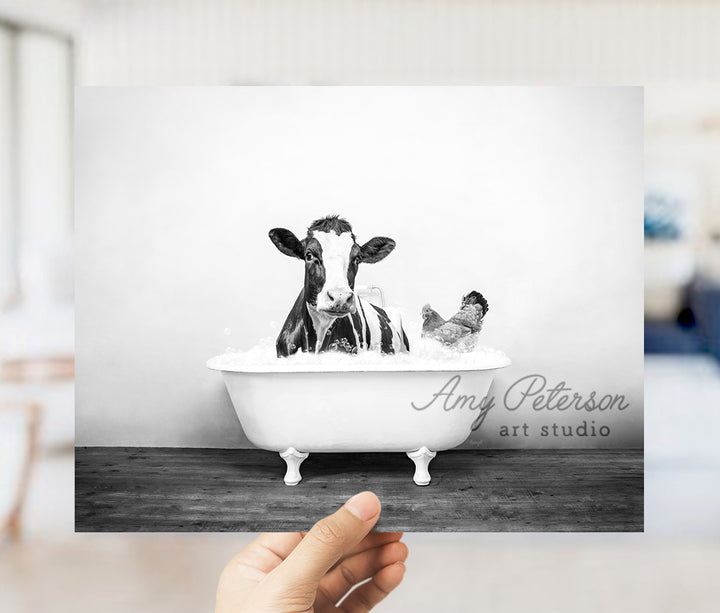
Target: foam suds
(425,354)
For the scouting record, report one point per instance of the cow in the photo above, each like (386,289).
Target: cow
(328,314)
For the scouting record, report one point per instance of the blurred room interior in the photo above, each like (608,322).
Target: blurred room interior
(47,47)
(682,304)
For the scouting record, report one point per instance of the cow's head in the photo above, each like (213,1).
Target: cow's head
(331,257)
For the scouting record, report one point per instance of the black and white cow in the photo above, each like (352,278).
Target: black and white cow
(328,314)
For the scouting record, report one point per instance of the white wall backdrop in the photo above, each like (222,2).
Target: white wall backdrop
(531,195)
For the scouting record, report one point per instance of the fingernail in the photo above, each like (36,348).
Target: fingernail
(364,505)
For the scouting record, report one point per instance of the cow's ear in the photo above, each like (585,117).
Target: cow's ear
(376,249)
(287,242)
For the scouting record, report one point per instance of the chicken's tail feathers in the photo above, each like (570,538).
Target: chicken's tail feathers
(476,298)
(482,301)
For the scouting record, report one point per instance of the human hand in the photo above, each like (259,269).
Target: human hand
(296,573)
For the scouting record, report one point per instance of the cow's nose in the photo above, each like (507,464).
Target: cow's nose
(340,298)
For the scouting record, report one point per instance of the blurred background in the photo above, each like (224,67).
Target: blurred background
(672,47)
(682,305)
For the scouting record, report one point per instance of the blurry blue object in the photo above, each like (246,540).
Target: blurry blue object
(695,330)
(670,337)
(705,303)
(662,217)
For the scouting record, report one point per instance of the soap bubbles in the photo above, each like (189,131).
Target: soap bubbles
(425,354)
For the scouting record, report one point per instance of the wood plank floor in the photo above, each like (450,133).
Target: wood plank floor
(119,489)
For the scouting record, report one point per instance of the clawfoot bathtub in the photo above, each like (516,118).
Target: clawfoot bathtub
(297,409)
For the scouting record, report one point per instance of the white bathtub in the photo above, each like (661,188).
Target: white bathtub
(296,410)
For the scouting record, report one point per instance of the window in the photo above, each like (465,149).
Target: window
(36,74)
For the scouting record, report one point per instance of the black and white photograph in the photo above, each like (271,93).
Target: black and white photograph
(289,294)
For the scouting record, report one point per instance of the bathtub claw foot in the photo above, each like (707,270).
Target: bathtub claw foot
(422,458)
(293,458)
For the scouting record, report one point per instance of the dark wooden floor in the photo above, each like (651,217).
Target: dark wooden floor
(121,489)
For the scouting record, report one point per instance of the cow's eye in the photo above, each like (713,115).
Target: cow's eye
(308,256)
(358,259)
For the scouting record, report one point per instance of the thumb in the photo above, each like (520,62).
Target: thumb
(328,540)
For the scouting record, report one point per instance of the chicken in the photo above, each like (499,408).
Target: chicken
(431,320)
(457,330)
